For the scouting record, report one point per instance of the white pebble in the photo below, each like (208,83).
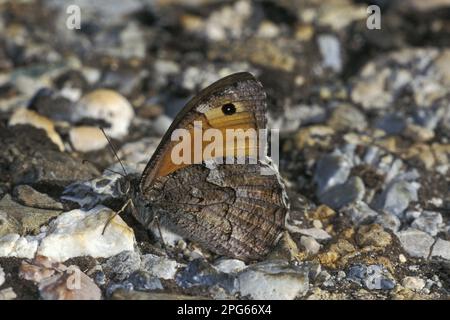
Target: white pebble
(79,233)
(106,105)
(13,245)
(85,138)
(413,283)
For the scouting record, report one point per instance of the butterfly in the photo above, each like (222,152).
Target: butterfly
(229,208)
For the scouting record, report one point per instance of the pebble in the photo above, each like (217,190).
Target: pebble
(79,233)
(413,283)
(229,265)
(344,194)
(86,139)
(373,235)
(397,196)
(273,281)
(441,249)
(373,277)
(142,280)
(2,276)
(24,116)
(388,221)
(347,117)
(7,294)
(122,265)
(330,48)
(429,222)
(360,213)
(106,105)
(71,285)
(415,242)
(161,267)
(22,219)
(331,170)
(310,244)
(402,258)
(13,245)
(199,273)
(318,234)
(29,197)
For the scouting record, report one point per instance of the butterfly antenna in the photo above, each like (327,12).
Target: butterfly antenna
(87,161)
(114,151)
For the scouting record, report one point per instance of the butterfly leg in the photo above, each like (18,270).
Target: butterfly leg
(115,214)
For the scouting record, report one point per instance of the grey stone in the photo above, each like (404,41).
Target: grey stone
(229,265)
(429,222)
(310,244)
(28,196)
(199,273)
(273,280)
(397,196)
(331,170)
(2,276)
(21,219)
(360,213)
(441,249)
(318,234)
(122,265)
(161,267)
(373,277)
(330,48)
(388,221)
(415,242)
(143,281)
(344,194)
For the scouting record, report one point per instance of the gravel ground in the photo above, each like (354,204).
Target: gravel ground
(364,118)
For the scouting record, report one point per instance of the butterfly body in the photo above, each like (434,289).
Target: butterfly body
(230,208)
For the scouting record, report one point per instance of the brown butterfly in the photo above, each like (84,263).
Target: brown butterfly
(231,209)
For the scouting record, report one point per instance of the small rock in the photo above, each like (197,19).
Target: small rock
(161,267)
(71,285)
(7,294)
(273,281)
(318,234)
(415,242)
(286,249)
(402,258)
(143,281)
(51,104)
(79,233)
(120,266)
(344,194)
(200,273)
(397,196)
(29,197)
(441,249)
(58,282)
(310,244)
(27,219)
(2,276)
(331,170)
(347,117)
(373,235)
(86,139)
(360,213)
(330,49)
(24,116)
(13,245)
(413,283)
(373,277)
(229,265)
(388,221)
(105,105)
(429,222)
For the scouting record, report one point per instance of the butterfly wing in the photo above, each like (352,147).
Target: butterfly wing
(231,209)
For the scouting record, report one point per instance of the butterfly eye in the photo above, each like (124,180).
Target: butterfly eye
(228,109)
